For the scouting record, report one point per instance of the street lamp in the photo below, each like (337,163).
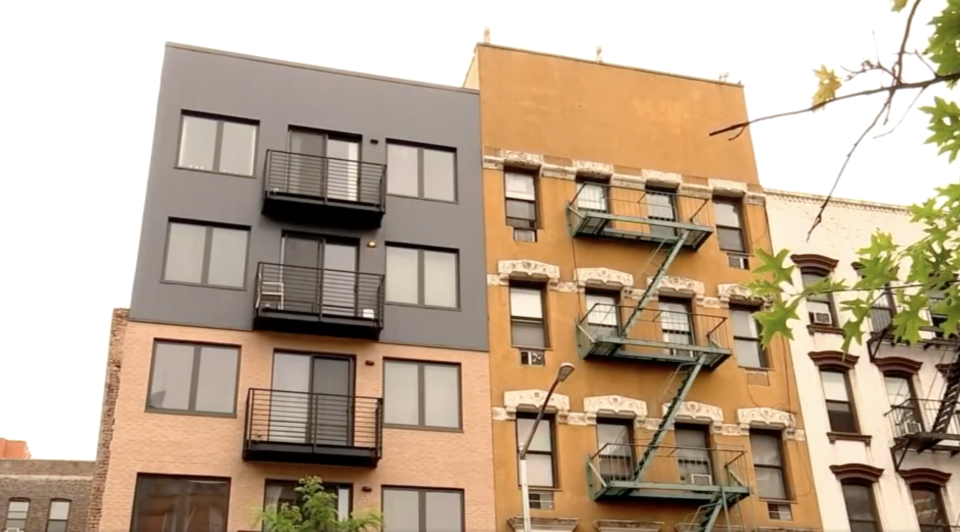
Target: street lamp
(565,370)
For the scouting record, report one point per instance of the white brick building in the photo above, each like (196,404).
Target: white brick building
(875,401)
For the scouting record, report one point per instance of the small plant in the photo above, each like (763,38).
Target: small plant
(316,512)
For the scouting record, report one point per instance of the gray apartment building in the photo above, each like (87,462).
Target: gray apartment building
(309,299)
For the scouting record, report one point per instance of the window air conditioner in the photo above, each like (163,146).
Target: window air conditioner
(524,235)
(822,318)
(740,262)
(701,480)
(912,427)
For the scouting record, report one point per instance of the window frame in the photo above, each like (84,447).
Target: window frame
(421,395)
(529,321)
(600,292)
(205,259)
(850,402)
(741,229)
(422,502)
(138,501)
(941,505)
(26,513)
(218,142)
(777,436)
(422,277)
(50,519)
(826,298)
(873,502)
(762,353)
(517,223)
(915,407)
(296,483)
(194,379)
(420,174)
(551,419)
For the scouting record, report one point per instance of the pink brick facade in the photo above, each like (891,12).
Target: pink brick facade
(143,442)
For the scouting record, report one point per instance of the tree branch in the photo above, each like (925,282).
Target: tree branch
(902,117)
(898,67)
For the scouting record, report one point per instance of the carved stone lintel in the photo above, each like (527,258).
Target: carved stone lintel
(500,414)
(661,177)
(593,168)
(532,400)
(737,293)
(528,270)
(670,285)
(695,191)
(795,435)
(522,159)
(577,418)
(694,411)
(731,188)
(712,302)
(566,286)
(621,525)
(558,172)
(604,278)
(491,162)
(613,404)
(753,198)
(495,280)
(765,417)
(545,524)
(627,181)
(730,429)
(650,423)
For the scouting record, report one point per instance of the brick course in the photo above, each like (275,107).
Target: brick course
(40,481)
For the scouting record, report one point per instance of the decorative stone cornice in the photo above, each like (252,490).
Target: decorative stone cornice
(603,278)
(525,270)
(521,159)
(659,177)
(693,411)
(812,261)
(753,198)
(591,168)
(627,181)
(491,162)
(558,172)
(925,475)
(728,188)
(769,418)
(695,191)
(860,472)
(621,525)
(616,405)
(833,359)
(545,524)
(531,400)
(737,293)
(890,365)
(681,286)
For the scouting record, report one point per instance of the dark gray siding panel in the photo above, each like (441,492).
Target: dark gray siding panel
(278,96)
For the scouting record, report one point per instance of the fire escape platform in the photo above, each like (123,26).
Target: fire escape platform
(651,351)
(588,223)
(619,490)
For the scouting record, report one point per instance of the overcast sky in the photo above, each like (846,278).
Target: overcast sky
(79,91)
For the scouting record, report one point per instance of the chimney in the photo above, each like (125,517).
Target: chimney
(486,35)
(599,54)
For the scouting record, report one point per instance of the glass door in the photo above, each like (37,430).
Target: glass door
(319,276)
(305,169)
(332,386)
(343,169)
(340,283)
(312,399)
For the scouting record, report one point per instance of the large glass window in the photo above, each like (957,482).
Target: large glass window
(527,324)
(836,393)
(276,493)
(421,394)
(217,145)
(768,464)
(730,225)
(17,510)
(421,172)
(422,510)
(746,339)
(195,378)
(928,503)
(541,459)
(59,515)
(422,277)
(520,189)
(861,508)
(208,255)
(181,504)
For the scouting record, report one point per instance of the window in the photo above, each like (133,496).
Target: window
(204,254)
(17,514)
(521,197)
(779,511)
(861,509)
(193,378)
(421,172)
(928,502)
(59,515)
(746,338)
(693,455)
(603,314)
(217,145)
(164,503)
(820,309)
(592,196)
(527,323)
(532,357)
(422,277)
(903,405)
(417,394)
(675,322)
(935,297)
(276,493)
(422,510)
(768,464)
(541,465)
(836,392)
(661,205)
(616,450)
(730,225)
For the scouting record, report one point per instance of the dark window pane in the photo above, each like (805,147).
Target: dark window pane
(528,334)
(841,418)
(172,376)
(730,239)
(748,353)
(766,449)
(522,210)
(57,526)
(728,214)
(859,502)
(770,483)
(929,506)
(862,526)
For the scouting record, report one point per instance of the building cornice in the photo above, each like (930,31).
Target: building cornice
(812,261)
(925,475)
(833,359)
(860,472)
(814,199)
(897,365)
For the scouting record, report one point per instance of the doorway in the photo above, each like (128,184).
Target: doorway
(320,275)
(312,400)
(332,172)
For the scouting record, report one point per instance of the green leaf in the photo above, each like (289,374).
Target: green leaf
(773,265)
(944,124)
(776,320)
(942,46)
(827,85)
(898,5)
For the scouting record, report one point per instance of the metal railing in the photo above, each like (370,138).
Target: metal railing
(917,416)
(319,292)
(324,178)
(686,466)
(641,204)
(939,528)
(314,419)
(662,330)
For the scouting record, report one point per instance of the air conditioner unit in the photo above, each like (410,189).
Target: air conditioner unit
(530,357)
(740,262)
(524,235)
(822,318)
(701,480)
(685,353)
(912,427)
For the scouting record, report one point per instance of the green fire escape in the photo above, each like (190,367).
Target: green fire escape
(667,223)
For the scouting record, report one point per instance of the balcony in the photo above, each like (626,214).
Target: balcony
(313,428)
(674,473)
(657,336)
(635,215)
(312,190)
(302,300)
(924,425)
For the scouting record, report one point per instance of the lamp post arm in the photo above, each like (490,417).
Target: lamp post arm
(536,422)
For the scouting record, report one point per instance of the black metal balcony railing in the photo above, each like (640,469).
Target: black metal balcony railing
(325,178)
(915,418)
(657,335)
(315,296)
(320,428)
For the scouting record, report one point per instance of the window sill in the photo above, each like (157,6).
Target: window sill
(777,501)
(824,329)
(428,307)
(427,429)
(760,370)
(539,488)
(149,410)
(200,285)
(528,348)
(214,172)
(847,436)
(448,202)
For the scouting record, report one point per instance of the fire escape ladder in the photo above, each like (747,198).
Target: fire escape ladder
(690,372)
(951,392)
(706,515)
(674,249)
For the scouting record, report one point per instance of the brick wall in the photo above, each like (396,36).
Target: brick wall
(40,481)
